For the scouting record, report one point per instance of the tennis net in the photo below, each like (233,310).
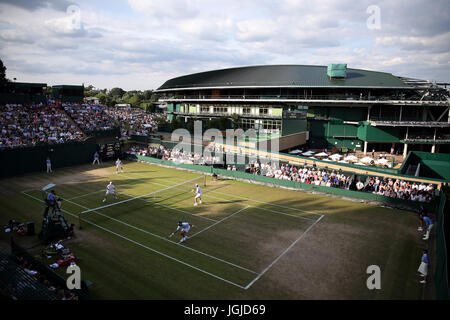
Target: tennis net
(168,192)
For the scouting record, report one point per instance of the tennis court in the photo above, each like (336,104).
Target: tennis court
(248,241)
(232,240)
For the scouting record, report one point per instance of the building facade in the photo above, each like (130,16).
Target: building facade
(326,106)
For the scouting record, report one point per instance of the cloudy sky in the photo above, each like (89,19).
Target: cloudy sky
(139,44)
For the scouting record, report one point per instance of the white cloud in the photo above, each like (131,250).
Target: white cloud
(140,44)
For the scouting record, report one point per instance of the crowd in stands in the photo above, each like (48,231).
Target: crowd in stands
(89,117)
(57,251)
(37,124)
(175,155)
(330,178)
(316,176)
(400,189)
(41,124)
(135,121)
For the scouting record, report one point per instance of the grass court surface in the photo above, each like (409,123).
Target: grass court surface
(249,241)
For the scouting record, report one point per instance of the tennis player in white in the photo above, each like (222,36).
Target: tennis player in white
(198,195)
(184,228)
(110,189)
(119,165)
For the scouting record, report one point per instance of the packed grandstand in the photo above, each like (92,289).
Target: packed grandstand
(27,125)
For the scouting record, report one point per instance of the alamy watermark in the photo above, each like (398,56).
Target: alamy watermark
(73,13)
(374,280)
(74,280)
(373,22)
(228,146)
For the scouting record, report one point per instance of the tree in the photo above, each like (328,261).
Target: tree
(90,91)
(116,93)
(102,98)
(236,120)
(224,123)
(134,101)
(176,124)
(148,95)
(2,73)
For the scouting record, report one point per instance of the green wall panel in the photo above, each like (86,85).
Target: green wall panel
(370,133)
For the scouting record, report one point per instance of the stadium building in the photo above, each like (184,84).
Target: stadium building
(22,93)
(321,106)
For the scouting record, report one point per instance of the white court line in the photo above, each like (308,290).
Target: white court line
(163,238)
(272,204)
(228,200)
(87,194)
(147,200)
(282,254)
(148,248)
(138,197)
(218,222)
(290,246)
(173,208)
(269,203)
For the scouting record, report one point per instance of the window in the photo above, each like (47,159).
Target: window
(220,110)
(246,110)
(247,124)
(263,111)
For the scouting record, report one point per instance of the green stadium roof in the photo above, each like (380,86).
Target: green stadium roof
(283,76)
(27,84)
(65,86)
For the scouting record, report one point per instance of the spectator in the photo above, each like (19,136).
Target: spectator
(49,165)
(36,124)
(89,117)
(423,267)
(96,158)
(428,225)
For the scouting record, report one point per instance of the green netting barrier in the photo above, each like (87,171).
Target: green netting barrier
(194,167)
(140,139)
(32,159)
(441,272)
(113,132)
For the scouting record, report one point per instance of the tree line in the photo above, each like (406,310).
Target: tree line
(136,98)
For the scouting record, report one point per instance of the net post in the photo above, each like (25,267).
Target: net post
(204,180)
(79,220)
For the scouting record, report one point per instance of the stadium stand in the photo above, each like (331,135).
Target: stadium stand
(135,121)
(24,277)
(19,283)
(89,117)
(36,124)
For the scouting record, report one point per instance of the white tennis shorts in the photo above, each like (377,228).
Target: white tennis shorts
(423,268)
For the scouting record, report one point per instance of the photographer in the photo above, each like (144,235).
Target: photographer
(53,202)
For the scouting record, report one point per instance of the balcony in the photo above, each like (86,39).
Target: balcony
(212,114)
(430,124)
(354,99)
